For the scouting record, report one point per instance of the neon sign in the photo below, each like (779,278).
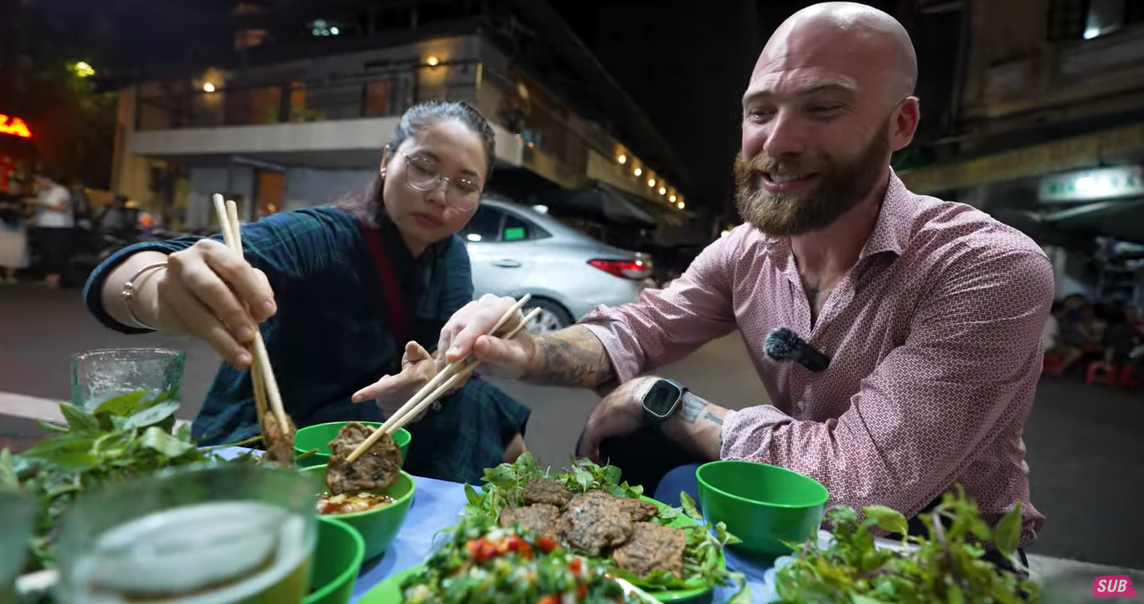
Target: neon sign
(14,126)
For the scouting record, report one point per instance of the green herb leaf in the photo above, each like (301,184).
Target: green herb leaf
(75,461)
(78,419)
(472,495)
(152,415)
(157,440)
(688,505)
(50,427)
(888,519)
(8,479)
(861,599)
(70,442)
(1008,531)
(121,406)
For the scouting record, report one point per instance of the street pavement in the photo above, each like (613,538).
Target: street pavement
(1084,444)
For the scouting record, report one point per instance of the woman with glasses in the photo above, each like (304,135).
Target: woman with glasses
(350,299)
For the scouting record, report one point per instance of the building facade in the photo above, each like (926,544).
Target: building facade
(284,132)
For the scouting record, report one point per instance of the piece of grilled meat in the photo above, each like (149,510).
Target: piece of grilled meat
(378,468)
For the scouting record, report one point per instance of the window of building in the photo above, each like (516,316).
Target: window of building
(1089,19)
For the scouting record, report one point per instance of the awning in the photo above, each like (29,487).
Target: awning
(599,199)
(1056,156)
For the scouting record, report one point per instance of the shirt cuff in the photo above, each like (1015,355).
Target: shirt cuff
(747,433)
(92,290)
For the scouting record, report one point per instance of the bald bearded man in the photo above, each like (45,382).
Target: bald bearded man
(930,311)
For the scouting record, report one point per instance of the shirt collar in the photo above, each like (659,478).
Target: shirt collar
(895,221)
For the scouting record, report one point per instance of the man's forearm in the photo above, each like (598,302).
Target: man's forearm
(698,425)
(570,357)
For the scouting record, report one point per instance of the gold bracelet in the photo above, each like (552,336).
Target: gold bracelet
(128,292)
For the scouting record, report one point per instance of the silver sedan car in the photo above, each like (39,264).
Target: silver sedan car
(516,250)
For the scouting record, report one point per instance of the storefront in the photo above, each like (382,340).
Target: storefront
(17,148)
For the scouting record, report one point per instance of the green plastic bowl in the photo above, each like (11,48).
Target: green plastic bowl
(378,527)
(319,436)
(761,504)
(337,560)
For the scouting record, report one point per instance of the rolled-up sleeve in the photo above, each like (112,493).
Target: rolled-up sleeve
(667,325)
(927,409)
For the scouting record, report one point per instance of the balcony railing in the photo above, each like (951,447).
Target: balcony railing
(555,142)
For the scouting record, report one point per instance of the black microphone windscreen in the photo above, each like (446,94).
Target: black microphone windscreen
(782,344)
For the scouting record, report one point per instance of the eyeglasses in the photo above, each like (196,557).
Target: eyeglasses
(425,175)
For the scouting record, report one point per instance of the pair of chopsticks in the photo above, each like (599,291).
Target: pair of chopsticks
(441,383)
(261,373)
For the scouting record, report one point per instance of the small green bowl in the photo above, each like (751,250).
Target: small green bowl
(319,436)
(337,560)
(378,527)
(761,504)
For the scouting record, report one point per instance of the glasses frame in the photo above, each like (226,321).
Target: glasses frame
(450,186)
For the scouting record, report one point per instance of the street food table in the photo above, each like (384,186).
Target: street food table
(436,506)
(437,503)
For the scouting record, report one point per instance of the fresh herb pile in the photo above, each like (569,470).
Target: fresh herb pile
(485,564)
(703,564)
(946,566)
(124,437)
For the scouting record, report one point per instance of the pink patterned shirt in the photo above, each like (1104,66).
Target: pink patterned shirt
(934,339)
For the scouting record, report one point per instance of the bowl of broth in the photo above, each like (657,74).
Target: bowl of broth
(377,514)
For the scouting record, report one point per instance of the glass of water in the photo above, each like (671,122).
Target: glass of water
(223,534)
(17,513)
(99,375)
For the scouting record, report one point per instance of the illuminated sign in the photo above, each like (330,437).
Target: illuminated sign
(1088,185)
(14,126)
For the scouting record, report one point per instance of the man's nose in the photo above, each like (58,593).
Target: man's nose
(785,135)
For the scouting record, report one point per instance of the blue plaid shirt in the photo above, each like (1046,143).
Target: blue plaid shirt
(329,337)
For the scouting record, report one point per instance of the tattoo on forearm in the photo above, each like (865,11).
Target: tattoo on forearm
(693,406)
(571,357)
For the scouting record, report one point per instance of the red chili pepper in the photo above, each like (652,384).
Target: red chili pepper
(525,550)
(582,591)
(504,546)
(574,565)
(473,547)
(548,600)
(546,545)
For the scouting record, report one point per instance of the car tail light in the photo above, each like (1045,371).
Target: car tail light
(627,269)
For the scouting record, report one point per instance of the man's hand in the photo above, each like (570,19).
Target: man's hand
(468,331)
(618,414)
(392,391)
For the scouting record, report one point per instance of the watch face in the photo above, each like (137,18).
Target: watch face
(662,398)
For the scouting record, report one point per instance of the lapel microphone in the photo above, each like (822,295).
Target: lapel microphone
(784,345)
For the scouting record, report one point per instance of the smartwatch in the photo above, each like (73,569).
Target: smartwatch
(662,400)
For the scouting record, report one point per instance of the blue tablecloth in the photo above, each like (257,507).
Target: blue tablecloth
(436,505)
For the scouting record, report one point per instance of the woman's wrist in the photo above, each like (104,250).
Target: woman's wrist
(129,293)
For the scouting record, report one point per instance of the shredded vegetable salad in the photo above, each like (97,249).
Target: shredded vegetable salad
(485,564)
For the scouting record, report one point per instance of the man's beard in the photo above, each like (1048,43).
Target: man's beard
(840,186)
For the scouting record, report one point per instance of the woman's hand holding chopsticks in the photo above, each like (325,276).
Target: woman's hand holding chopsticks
(205,292)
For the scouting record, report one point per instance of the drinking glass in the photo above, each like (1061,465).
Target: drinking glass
(99,375)
(224,534)
(17,513)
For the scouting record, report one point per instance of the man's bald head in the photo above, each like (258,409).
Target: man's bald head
(830,99)
(862,36)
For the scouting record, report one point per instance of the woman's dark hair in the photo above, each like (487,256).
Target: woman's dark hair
(368,205)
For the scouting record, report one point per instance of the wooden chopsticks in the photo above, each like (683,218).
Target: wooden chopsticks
(441,383)
(262,374)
